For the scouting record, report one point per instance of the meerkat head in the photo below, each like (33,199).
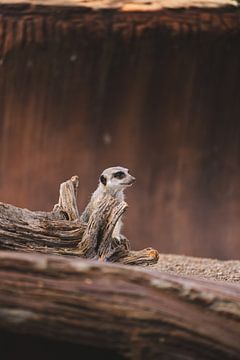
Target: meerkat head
(116,178)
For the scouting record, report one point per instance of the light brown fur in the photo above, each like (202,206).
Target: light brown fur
(114,181)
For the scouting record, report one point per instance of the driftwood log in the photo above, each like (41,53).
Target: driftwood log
(62,232)
(139,313)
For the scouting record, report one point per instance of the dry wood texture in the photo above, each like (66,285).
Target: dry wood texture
(128,5)
(137,313)
(40,23)
(62,232)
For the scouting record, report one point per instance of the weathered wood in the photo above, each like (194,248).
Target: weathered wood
(67,203)
(50,232)
(42,23)
(139,257)
(63,232)
(126,5)
(100,226)
(21,229)
(137,313)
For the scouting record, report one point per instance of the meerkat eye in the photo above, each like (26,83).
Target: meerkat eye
(119,175)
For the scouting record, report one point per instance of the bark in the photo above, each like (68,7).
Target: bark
(62,231)
(137,313)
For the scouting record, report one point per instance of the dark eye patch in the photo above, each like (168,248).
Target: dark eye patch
(119,175)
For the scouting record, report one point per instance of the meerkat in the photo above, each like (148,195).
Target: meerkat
(113,181)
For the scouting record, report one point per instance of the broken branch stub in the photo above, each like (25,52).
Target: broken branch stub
(62,232)
(67,203)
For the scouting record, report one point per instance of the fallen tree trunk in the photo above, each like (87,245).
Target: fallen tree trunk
(138,313)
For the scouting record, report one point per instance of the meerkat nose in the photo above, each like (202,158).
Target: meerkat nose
(133,178)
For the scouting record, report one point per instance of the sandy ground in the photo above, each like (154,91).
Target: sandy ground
(201,268)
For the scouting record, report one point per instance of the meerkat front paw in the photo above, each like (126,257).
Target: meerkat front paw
(121,241)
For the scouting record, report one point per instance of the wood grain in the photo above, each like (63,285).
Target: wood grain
(132,311)
(63,232)
(128,5)
(39,23)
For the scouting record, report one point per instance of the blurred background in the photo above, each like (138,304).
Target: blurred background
(165,106)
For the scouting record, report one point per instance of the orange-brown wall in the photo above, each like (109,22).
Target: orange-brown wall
(166,107)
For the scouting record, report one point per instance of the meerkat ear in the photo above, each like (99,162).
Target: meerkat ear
(103,180)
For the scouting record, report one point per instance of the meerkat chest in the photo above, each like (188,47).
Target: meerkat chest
(120,195)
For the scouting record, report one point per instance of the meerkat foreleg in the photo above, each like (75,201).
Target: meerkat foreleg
(117,230)
(120,238)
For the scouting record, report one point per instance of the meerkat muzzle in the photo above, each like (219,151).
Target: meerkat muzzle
(130,182)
